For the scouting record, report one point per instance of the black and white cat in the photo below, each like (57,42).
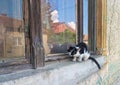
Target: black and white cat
(80,52)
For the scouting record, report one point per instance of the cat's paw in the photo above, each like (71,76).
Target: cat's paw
(74,60)
(79,60)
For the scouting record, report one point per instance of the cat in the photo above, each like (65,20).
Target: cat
(80,52)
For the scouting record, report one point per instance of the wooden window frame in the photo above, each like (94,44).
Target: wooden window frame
(18,64)
(101,26)
(79,20)
(36,45)
(92,25)
(79,32)
(34,51)
(35,32)
(97,26)
(34,42)
(17,61)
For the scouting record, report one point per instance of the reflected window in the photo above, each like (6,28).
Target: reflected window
(58,24)
(12,42)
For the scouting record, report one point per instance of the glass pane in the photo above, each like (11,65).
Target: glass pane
(85,21)
(12,42)
(59,25)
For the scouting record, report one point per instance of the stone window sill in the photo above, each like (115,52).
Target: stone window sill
(65,73)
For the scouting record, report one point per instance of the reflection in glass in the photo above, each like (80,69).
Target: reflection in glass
(59,25)
(85,21)
(12,43)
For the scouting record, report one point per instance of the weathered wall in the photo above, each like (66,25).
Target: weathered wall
(14,44)
(113,40)
(111,70)
(113,29)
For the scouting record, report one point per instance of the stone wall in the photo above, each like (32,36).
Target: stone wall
(113,40)
(113,30)
(14,44)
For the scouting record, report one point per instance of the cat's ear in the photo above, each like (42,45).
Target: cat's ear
(77,48)
(70,48)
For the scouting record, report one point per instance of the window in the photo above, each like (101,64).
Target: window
(12,42)
(58,24)
(12,34)
(32,31)
(62,28)
(85,21)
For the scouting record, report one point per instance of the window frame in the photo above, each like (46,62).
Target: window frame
(79,18)
(79,38)
(16,61)
(36,55)
(93,20)
(92,25)
(79,33)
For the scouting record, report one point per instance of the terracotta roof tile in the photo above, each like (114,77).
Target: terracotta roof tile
(85,37)
(10,22)
(61,27)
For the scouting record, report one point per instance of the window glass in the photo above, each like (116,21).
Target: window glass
(59,25)
(85,21)
(12,42)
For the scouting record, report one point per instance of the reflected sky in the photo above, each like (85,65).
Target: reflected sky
(65,10)
(13,8)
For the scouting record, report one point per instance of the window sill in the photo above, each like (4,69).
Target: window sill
(65,73)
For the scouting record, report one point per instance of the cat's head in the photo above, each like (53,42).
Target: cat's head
(73,51)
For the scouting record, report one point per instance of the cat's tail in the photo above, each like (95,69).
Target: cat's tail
(96,62)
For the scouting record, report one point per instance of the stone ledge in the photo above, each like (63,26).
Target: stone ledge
(65,73)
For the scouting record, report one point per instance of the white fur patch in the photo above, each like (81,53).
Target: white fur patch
(77,54)
(86,55)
